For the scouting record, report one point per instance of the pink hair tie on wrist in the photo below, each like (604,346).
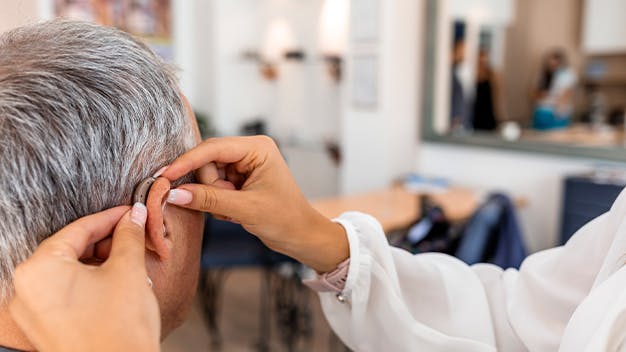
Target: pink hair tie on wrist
(334,281)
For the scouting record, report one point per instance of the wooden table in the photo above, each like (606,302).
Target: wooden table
(396,208)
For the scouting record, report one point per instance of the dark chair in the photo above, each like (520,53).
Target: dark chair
(229,246)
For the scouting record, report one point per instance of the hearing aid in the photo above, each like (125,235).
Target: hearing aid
(140,194)
(156,204)
(141,191)
(152,192)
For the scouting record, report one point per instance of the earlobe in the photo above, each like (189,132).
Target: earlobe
(157,240)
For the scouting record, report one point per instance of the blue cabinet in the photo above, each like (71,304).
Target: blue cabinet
(585,199)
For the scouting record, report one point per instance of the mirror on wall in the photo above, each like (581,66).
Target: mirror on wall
(530,72)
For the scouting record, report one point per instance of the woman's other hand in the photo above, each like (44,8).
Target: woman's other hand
(62,304)
(248,182)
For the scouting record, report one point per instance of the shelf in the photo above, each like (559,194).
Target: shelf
(604,82)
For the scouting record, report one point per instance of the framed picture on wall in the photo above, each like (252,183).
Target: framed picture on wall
(150,20)
(365,20)
(364,83)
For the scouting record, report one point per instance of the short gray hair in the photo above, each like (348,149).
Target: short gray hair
(86,112)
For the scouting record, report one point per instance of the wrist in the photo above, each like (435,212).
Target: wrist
(324,245)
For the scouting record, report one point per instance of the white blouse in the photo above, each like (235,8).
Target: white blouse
(569,298)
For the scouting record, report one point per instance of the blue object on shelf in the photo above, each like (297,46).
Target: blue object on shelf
(545,119)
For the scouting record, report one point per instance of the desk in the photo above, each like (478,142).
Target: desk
(396,208)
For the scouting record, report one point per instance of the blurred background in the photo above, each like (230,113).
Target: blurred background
(438,117)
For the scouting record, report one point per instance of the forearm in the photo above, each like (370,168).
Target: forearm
(320,243)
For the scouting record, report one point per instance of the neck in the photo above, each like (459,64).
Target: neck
(10,335)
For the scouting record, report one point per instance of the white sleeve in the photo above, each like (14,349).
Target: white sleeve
(396,301)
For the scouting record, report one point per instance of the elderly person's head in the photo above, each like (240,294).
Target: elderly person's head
(86,113)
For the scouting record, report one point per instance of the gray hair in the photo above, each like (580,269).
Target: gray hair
(86,112)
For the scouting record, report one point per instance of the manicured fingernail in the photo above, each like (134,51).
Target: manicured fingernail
(139,214)
(161,170)
(179,197)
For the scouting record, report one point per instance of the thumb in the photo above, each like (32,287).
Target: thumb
(129,238)
(230,203)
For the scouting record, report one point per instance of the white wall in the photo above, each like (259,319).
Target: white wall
(604,30)
(379,144)
(184,36)
(303,103)
(202,70)
(482,11)
(315,173)
(196,33)
(18,12)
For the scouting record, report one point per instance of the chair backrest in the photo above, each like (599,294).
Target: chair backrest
(228,245)
(493,235)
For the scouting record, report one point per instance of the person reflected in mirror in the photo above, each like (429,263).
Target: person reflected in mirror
(554,95)
(484,116)
(458,107)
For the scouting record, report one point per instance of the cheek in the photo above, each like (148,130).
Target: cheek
(187,229)
(184,267)
(193,224)
(194,230)
(190,264)
(189,243)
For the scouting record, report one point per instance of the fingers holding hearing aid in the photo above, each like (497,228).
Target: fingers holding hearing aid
(264,198)
(213,174)
(74,291)
(129,238)
(252,165)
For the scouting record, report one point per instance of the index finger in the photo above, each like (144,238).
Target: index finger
(72,240)
(220,150)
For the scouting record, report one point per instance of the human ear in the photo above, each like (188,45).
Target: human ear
(157,240)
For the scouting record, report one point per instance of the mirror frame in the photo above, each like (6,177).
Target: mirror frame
(487,140)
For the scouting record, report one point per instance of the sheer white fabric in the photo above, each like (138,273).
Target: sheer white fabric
(569,298)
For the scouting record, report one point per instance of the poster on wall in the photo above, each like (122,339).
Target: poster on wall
(365,17)
(150,20)
(365,82)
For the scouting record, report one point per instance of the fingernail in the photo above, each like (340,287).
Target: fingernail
(179,197)
(161,170)
(139,214)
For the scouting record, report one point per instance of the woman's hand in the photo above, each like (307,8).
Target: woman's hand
(64,305)
(246,180)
